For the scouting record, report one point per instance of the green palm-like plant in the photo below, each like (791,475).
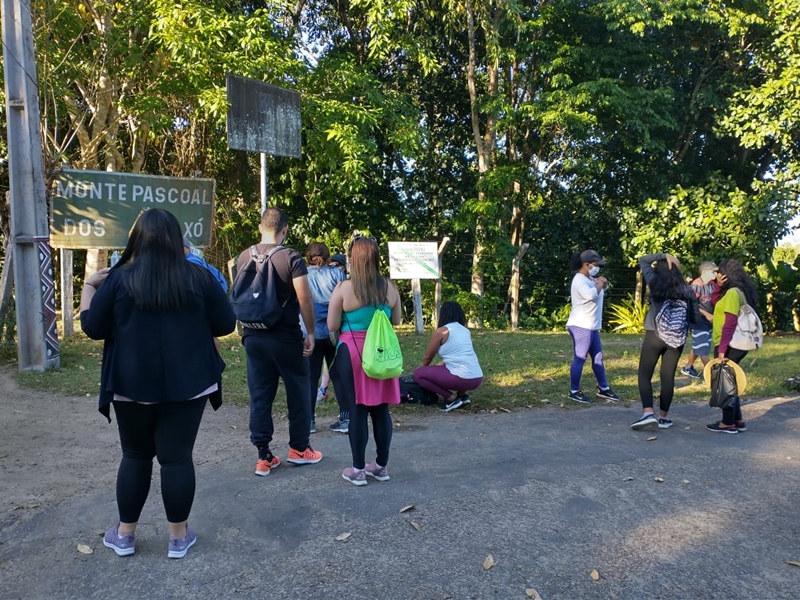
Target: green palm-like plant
(627,316)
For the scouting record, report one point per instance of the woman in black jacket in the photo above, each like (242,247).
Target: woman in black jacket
(158,315)
(673,305)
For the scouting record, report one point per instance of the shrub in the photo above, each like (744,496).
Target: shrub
(627,316)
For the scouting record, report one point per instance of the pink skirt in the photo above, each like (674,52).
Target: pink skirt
(369,391)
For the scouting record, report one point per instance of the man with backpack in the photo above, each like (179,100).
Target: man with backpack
(269,290)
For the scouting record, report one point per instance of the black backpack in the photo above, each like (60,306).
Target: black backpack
(254,295)
(413,392)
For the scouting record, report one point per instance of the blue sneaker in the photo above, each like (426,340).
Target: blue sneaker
(664,423)
(123,545)
(644,421)
(690,371)
(178,547)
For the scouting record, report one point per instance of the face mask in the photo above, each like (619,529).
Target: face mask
(594,271)
(707,276)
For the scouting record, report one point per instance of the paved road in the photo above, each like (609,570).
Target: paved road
(550,494)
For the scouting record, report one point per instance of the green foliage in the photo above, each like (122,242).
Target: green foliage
(712,221)
(627,316)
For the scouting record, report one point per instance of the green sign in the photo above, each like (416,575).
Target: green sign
(96,209)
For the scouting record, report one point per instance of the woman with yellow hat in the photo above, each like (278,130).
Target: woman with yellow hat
(734,284)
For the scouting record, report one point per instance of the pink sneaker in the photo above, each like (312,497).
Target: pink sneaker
(377,472)
(355,476)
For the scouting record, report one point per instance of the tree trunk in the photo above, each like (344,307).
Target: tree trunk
(484,146)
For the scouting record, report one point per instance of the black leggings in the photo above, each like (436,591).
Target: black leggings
(654,348)
(325,349)
(168,431)
(359,433)
(734,413)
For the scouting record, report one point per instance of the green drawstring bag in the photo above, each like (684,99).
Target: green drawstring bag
(382,357)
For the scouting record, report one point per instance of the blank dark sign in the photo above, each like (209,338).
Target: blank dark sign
(263,117)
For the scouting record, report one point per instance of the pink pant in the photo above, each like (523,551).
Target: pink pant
(439,380)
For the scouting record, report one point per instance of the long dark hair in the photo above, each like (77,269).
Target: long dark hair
(451,312)
(738,278)
(153,266)
(365,277)
(668,283)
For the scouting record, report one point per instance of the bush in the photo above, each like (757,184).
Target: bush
(627,316)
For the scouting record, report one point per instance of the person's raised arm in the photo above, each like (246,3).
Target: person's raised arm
(646,265)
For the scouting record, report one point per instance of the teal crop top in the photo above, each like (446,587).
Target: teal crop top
(359,319)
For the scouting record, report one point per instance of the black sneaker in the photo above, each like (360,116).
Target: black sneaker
(644,421)
(464,399)
(452,405)
(741,426)
(664,423)
(607,394)
(579,396)
(341,426)
(313,427)
(722,428)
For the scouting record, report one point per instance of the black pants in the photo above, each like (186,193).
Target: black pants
(359,433)
(654,348)
(734,413)
(167,431)
(325,349)
(359,413)
(270,358)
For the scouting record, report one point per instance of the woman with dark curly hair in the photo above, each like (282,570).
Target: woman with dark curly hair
(736,288)
(672,305)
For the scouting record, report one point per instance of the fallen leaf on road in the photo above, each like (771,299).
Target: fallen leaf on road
(343,536)
(686,481)
(416,526)
(658,480)
(650,439)
(493,411)
(489,562)
(84,549)
(233,426)
(794,563)
(532,593)
(594,575)
(407,508)
(627,479)
(505,410)
(686,427)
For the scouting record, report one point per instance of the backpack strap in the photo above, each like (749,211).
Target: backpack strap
(742,299)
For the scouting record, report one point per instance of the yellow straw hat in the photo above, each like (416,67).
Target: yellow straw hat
(741,378)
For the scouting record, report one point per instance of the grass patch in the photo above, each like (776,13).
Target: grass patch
(520,369)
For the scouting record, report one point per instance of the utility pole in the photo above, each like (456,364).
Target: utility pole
(33,267)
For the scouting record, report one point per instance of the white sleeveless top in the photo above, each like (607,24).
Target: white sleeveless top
(457,353)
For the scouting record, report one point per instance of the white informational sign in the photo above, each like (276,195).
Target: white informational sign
(413,260)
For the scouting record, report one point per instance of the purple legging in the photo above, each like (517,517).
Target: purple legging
(441,381)
(586,342)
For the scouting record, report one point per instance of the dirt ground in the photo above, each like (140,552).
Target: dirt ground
(55,447)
